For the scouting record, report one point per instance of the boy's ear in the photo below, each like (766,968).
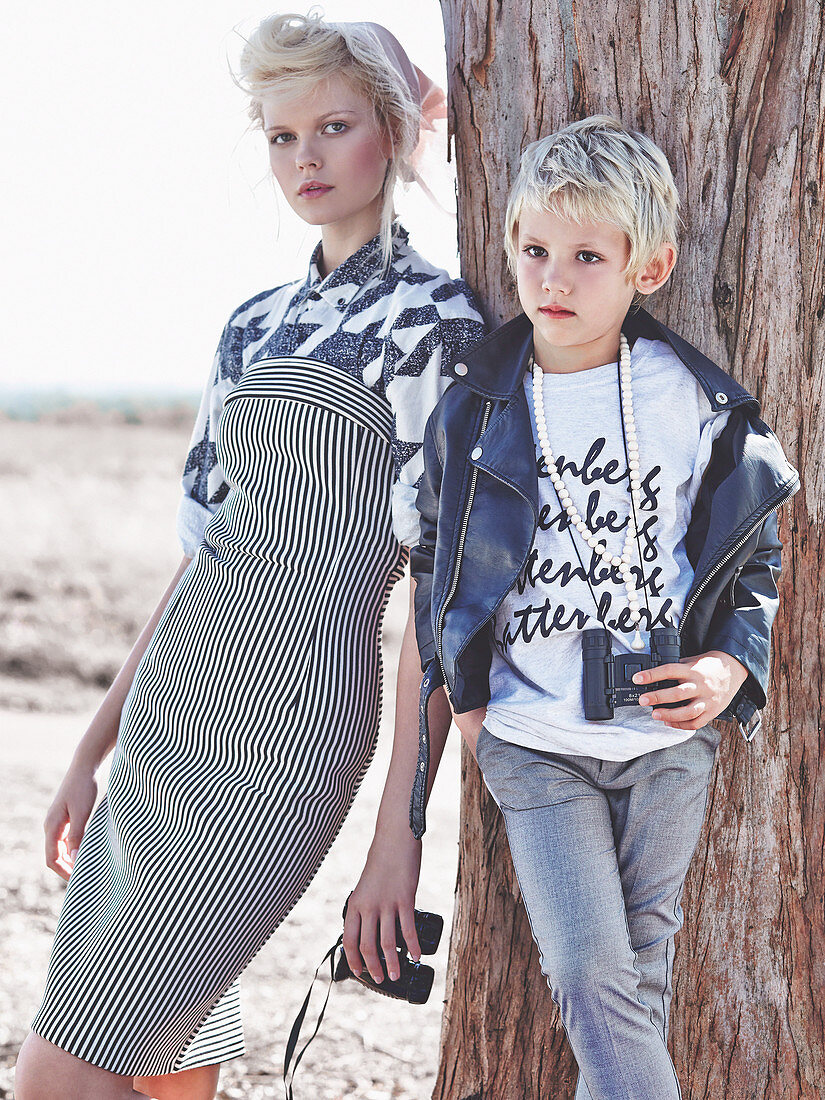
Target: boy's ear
(657,270)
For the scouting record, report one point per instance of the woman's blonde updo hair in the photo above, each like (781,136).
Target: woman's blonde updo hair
(291,54)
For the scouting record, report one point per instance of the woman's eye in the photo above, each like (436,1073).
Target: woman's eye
(280,139)
(335,127)
(589,257)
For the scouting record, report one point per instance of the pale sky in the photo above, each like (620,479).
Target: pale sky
(138,210)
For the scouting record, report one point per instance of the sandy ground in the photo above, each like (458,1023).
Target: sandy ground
(86,531)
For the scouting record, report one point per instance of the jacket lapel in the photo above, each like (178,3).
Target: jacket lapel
(495,366)
(508,451)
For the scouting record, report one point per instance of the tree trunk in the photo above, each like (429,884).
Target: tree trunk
(734,94)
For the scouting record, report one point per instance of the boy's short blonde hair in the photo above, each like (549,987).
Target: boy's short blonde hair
(596,170)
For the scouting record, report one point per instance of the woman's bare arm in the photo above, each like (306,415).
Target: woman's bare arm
(76,795)
(386,890)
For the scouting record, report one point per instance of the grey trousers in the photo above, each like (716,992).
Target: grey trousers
(601,850)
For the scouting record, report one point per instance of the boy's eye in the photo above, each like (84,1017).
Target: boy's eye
(335,127)
(589,257)
(535,250)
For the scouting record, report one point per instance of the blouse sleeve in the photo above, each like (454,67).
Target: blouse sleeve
(203,482)
(417,380)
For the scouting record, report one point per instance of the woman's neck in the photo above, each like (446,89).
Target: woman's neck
(341,239)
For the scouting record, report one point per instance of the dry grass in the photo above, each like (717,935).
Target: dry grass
(87,530)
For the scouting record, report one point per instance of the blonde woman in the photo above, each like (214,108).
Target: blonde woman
(245,717)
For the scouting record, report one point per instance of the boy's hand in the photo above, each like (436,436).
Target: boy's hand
(469,726)
(707,684)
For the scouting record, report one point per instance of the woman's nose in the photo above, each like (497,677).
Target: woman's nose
(307,156)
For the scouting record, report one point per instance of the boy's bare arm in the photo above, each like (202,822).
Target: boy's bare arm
(469,726)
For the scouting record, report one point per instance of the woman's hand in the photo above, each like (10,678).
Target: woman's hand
(66,820)
(383,898)
(68,814)
(707,684)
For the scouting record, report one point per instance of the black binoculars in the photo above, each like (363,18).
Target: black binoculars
(416,980)
(608,677)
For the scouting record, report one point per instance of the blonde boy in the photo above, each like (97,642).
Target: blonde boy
(565,493)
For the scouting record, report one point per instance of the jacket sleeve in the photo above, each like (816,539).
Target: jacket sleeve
(422,556)
(743,628)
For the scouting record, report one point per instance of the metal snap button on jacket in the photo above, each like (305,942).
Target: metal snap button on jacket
(460,369)
(722,398)
(475,454)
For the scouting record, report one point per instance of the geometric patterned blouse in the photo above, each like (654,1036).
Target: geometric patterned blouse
(396,331)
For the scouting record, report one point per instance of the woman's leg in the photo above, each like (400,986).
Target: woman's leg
(561,837)
(45,1072)
(200,1083)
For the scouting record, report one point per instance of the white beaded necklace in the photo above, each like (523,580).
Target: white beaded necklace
(622,563)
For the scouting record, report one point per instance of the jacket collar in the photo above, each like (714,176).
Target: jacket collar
(495,366)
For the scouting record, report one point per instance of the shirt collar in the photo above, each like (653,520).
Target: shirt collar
(341,285)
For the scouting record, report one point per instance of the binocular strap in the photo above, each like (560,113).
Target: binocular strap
(292,1042)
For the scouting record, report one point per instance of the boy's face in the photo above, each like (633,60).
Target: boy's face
(572,286)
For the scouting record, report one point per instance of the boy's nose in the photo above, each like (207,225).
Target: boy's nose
(555,279)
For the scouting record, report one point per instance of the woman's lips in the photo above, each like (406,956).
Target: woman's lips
(550,311)
(314,190)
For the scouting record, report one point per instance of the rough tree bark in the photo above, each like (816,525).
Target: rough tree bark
(734,93)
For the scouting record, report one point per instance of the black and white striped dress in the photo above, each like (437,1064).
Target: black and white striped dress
(248,728)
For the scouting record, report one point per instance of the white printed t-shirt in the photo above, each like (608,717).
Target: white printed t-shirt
(536,671)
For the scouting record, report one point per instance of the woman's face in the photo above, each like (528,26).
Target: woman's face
(328,154)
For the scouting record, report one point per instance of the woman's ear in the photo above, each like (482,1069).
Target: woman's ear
(656,271)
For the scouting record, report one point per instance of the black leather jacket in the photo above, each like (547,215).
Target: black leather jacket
(478,502)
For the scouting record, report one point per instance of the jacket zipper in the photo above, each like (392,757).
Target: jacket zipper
(460,549)
(726,558)
(731,592)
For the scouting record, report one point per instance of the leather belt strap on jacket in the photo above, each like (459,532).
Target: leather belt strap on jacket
(431,681)
(748,718)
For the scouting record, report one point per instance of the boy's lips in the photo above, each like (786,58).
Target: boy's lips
(556,311)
